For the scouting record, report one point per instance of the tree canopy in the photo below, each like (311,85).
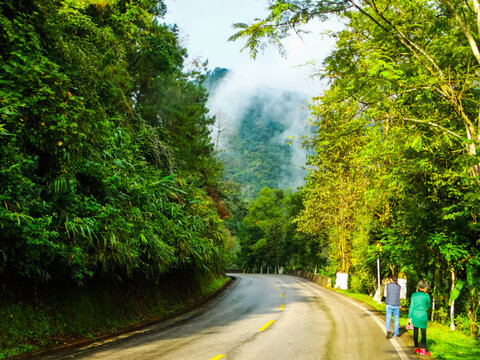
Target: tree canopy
(106,161)
(395,169)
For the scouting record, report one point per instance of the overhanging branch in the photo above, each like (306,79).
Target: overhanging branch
(429,123)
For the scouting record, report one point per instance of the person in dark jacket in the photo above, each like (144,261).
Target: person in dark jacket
(392,300)
(417,315)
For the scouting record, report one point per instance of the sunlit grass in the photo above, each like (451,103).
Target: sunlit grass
(442,343)
(446,344)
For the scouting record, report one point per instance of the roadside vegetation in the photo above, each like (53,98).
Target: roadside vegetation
(111,188)
(442,342)
(394,174)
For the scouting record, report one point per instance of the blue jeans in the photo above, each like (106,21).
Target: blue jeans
(396,315)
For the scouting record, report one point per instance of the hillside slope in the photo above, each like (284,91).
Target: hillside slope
(254,126)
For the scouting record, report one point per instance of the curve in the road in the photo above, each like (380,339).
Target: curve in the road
(262,317)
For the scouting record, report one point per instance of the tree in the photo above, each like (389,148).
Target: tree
(405,96)
(413,36)
(266,213)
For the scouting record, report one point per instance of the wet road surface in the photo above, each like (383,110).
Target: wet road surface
(261,317)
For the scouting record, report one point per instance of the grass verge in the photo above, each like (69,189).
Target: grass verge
(442,343)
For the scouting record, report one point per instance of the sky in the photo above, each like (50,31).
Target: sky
(204,29)
(206,25)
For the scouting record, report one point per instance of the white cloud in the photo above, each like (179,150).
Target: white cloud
(234,96)
(206,25)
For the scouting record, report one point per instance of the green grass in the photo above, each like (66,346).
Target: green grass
(212,285)
(442,343)
(445,344)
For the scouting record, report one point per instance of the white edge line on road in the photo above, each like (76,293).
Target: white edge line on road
(394,341)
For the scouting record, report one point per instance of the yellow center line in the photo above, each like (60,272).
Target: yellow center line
(282,307)
(217,357)
(281,295)
(266,325)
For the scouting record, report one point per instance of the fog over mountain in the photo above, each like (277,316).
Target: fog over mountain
(257,131)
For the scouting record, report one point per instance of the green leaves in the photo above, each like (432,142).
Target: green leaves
(456,291)
(91,182)
(270,235)
(284,16)
(397,132)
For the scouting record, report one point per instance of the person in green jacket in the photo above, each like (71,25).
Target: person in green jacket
(417,315)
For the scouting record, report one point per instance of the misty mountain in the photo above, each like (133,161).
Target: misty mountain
(252,131)
(214,78)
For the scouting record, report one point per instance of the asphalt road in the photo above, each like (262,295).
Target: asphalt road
(262,317)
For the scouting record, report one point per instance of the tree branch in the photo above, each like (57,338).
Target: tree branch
(465,27)
(432,125)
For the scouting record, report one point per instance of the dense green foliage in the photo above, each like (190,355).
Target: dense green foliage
(255,158)
(252,142)
(270,238)
(106,161)
(395,172)
(108,169)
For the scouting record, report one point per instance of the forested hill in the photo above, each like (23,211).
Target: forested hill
(253,130)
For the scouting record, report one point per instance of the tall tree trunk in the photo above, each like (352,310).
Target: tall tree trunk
(472,150)
(452,305)
(434,286)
